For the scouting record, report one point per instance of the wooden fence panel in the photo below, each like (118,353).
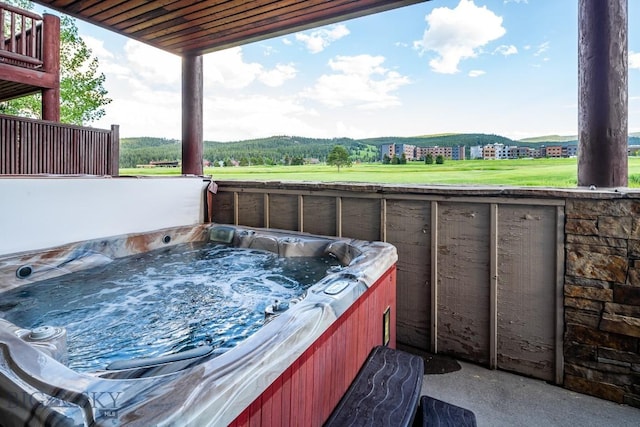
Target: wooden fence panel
(409,230)
(251,209)
(526,311)
(223,208)
(30,146)
(463,280)
(361,218)
(319,214)
(283,211)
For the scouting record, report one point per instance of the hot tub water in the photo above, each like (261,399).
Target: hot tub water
(164,301)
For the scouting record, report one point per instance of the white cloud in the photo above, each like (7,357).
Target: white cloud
(109,64)
(476,73)
(145,85)
(359,81)
(278,75)
(228,69)
(506,50)
(634,60)
(228,118)
(154,65)
(318,40)
(97,47)
(542,48)
(458,34)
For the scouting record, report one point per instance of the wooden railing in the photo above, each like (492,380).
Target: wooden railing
(30,146)
(21,41)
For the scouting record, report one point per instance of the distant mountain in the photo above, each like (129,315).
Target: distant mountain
(563,138)
(550,138)
(445,140)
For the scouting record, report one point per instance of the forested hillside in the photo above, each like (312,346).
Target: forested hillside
(295,150)
(447,140)
(285,149)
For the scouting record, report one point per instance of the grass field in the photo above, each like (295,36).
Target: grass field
(524,172)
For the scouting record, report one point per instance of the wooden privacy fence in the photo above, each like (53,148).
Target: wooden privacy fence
(30,146)
(480,272)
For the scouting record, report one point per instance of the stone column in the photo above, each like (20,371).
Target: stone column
(192,134)
(603,93)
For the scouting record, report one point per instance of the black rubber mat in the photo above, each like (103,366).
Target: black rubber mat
(437,364)
(436,413)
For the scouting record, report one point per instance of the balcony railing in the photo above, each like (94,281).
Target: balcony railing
(21,42)
(30,146)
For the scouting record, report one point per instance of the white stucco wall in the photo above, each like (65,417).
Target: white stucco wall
(41,212)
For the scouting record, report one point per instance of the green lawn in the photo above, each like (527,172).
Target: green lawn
(525,172)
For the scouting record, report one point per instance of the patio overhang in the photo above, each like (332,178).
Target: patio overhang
(188,28)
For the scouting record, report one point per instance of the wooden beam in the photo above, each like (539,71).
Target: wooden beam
(36,78)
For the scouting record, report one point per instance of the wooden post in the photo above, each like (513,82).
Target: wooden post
(51,65)
(603,93)
(114,151)
(192,134)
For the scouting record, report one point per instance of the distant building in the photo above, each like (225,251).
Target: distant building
(458,153)
(554,151)
(397,150)
(516,152)
(570,150)
(489,151)
(475,152)
(435,151)
(387,149)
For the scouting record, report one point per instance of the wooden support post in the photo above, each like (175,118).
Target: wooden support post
(603,93)
(192,127)
(51,65)
(433,330)
(114,151)
(493,288)
(560,266)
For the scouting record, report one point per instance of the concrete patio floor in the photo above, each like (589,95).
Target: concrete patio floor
(499,398)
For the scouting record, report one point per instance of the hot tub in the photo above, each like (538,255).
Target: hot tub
(292,370)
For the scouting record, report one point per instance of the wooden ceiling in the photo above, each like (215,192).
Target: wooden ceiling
(192,27)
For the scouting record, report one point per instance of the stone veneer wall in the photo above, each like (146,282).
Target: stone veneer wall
(602,299)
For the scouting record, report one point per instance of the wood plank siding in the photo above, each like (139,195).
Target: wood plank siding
(37,147)
(479,274)
(184,27)
(307,392)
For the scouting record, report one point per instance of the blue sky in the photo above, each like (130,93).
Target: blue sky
(507,67)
